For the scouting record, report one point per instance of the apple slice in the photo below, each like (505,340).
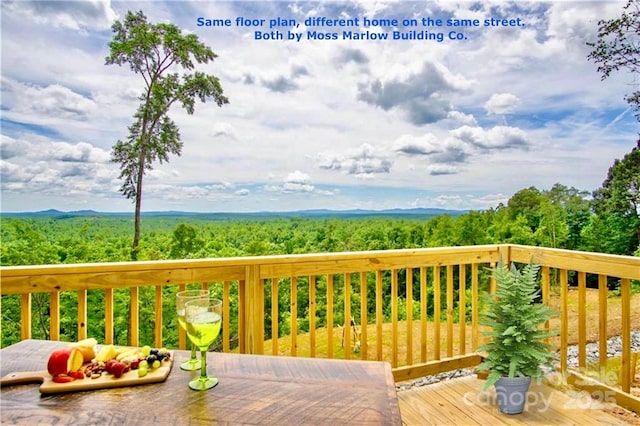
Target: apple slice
(64,360)
(87,347)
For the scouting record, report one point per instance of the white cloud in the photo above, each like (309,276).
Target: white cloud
(423,145)
(77,15)
(462,118)
(325,118)
(421,94)
(50,102)
(363,162)
(501,103)
(498,137)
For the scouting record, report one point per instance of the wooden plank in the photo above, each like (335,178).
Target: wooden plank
(436,410)
(182,335)
(111,275)
(625,362)
(274,316)
(546,294)
(242,309)
(449,311)
(475,337)
(25,315)
(394,318)
(82,314)
(582,319)
(158,316)
(409,311)
(108,316)
(595,263)
(462,309)
(602,317)
(463,401)
(134,319)
(373,260)
(226,320)
(604,392)
(479,404)
(346,330)
(414,371)
(364,311)
(293,292)
(436,311)
(54,318)
(312,315)
(564,318)
(254,311)
(423,314)
(330,315)
(379,317)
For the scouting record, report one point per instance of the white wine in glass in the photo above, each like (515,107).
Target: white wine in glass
(183,297)
(204,321)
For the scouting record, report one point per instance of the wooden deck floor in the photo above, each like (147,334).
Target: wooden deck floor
(462,401)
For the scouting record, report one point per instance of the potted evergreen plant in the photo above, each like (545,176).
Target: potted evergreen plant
(516,348)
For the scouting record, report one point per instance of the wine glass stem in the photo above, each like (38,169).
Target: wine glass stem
(203,368)
(193,352)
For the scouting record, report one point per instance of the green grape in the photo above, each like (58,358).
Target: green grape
(143,364)
(142,371)
(146,350)
(156,364)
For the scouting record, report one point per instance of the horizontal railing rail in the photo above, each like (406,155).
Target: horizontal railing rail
(417,309)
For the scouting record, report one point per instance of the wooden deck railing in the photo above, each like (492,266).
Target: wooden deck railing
(404,329)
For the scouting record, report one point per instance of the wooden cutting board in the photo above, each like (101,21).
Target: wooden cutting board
(106,380)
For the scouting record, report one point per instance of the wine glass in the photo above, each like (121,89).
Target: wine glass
(183,297)
(204,320)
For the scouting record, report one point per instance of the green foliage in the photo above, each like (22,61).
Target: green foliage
(184,242)
(560,218)
(618,47)
(516,346)
(156,52)
(618,203)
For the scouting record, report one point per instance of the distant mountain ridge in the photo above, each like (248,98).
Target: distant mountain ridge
(313,213)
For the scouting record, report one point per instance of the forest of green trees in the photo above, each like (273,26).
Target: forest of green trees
(560,217)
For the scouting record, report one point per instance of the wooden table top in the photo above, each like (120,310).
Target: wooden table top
(252,390)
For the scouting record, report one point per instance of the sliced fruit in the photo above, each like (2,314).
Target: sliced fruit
(62,378)
(87,347)
(86,342)
(130,354)
(78,375)
(122,349)
(64,360)
(106,353)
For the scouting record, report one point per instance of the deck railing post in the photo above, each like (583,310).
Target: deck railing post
(504,251)
(253,312)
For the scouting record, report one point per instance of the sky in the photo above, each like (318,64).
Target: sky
(455,115)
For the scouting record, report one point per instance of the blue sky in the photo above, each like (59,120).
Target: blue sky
(336,124)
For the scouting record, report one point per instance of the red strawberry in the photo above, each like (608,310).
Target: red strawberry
(118,369)
(79,375)
(108,367)
(63,378)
